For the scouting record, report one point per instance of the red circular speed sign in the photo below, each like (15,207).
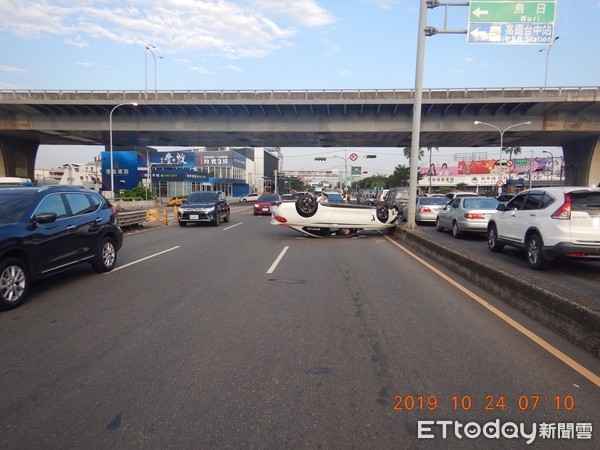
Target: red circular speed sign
(353,156)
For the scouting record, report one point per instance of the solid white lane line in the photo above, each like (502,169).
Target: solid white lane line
(143,259)
(513,323)
(274,265)
(232,226)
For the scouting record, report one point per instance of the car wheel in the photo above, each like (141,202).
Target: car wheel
(382,213)
(244,200)
(14,283)
(106,259)
(182,224)
(455,231)
(217,220)
(534,252)
(492,238)
(438,225)
(227,217)
(306,206)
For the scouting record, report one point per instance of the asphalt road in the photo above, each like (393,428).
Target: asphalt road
(248,335)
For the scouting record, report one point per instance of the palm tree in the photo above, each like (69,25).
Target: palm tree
(408,150)
(511,151)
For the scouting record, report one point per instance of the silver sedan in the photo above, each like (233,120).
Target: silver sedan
(466,214)
(427,209)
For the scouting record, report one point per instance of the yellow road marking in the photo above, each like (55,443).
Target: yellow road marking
(534,337)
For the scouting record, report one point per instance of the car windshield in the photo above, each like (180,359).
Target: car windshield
(14,205)
(480,203)
(199,197)
(268,198)
(433,201)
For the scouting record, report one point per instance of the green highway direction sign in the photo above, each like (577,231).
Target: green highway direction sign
(518,22)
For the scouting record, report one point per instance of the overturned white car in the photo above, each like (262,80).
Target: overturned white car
(315,219)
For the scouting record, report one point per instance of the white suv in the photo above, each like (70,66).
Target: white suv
(549,223)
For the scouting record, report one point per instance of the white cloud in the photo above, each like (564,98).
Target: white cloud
(77,42)
(201,70)
(469,59)
(12,69)
(228,28)
(234,68)
(345,72)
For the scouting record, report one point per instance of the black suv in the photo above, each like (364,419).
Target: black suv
(204,206)
(46,230)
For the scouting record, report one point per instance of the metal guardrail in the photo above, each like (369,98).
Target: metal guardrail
(132,218)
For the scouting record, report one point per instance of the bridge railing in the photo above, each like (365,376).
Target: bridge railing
(580,93)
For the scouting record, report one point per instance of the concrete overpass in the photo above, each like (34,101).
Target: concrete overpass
(565,117)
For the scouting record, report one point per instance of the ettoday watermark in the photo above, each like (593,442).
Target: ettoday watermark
(432,429)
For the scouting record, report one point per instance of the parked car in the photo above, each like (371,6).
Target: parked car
(549,223)
(177,200)
(250,198)
(427,209)
(312,218)
(262,206)
(46,230)
(452,195)
(204,206)
(466,214)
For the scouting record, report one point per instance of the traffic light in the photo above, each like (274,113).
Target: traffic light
(320,158)
(370,156)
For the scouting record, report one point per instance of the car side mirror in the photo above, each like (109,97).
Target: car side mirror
(44,218)
(501,207)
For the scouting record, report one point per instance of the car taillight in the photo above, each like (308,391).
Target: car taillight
(564,212)
(474,216)
(280,219)
(424,209)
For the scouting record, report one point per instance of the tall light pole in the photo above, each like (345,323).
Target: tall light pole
(547,50)
(149,48)
(501,171)
(551,166)
(112,169)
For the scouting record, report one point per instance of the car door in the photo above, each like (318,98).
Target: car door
(51,245)
(506,220)
(448,213)
(85,222)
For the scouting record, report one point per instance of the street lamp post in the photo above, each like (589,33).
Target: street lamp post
(501,171)
(112,170)
(551,166)
(149,48)
(547,50)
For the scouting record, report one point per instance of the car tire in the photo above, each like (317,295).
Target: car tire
(227,217)
(217,220)
(382,213)
(535,257)
(14,281)
(182,224)
(438,225)
(106,259)
(455,231)
(492,238)
(306,206)
(244,200)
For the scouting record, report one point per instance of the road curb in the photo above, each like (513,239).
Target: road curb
(554,306)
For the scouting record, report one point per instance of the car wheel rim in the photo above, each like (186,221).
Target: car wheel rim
(534,251)
(492,237)
(108,254)
(12,283)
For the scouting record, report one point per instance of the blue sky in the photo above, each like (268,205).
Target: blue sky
(274,44)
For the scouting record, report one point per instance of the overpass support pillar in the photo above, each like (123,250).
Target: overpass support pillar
(17,157)
(582,162)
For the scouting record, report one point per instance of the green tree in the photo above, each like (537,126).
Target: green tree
(139,191)
(400,177)
(407,151)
